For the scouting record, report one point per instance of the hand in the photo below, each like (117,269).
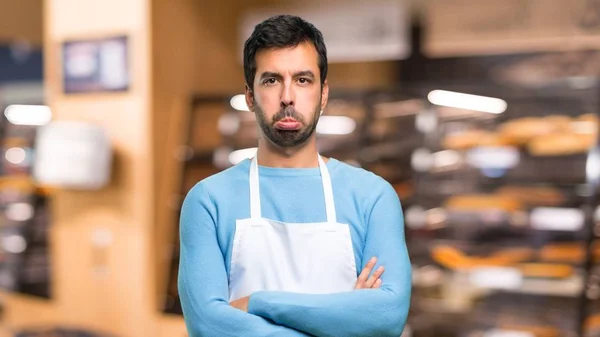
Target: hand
(366,282)
(241,304)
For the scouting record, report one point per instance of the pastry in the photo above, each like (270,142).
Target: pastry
(474,138)
(479,202)
(545,270)
(464,140)
(564,252)
(453,258)
(521,130)
(537,331)
(561,144)
(533,195)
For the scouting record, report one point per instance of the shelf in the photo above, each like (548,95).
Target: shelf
(571,287)
(535,175)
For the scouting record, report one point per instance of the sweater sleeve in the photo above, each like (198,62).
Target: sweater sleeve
(368,312)
(202,280)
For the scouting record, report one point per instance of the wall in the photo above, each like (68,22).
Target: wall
(120,301)
(21,20)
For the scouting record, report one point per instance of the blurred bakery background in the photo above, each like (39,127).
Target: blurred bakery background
(483,114)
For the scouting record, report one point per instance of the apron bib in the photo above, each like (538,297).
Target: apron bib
(312,258)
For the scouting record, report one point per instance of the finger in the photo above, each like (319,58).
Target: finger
(376,275)
(377,284)
(364,275)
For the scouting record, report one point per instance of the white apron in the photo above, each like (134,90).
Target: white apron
(314,258)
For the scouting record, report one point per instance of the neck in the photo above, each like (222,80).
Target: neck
(302,156)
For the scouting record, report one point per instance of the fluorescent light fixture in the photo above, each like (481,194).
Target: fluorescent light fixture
(467,101)
(14,244)
(15,155)
(422,160)
(557,219)
(493,157)
(238,156)
(507,333)
(592,166)
(336,125)
(416,217)
(496,278)
(238,102)
(446,158)
(19,211)
(35,115)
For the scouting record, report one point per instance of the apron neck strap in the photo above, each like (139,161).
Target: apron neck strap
(255,209)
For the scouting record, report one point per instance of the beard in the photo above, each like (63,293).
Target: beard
(287,138)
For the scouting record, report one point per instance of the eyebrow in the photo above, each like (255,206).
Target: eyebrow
(306,73)
(270,74)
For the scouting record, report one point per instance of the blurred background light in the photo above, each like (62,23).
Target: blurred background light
(467,101)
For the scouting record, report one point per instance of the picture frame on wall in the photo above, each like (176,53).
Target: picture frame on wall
(96,65)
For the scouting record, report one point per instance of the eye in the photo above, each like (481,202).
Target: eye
(269,81)
(303,80)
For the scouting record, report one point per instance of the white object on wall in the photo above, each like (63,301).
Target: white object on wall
(73,155)
(354,31)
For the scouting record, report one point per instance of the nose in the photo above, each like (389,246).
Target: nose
(287,96)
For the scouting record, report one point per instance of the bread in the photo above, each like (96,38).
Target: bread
(545,270)
(573,252)
(453,258)
(533,195)
(474,138)
(592,323)
(464,140)
(495,139)
(537,331)
(585,124)
(560,144)
(522,130)
(479,202)
(560,122)
(589,117)
(564,252)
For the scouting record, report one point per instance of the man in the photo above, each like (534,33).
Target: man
(270,247)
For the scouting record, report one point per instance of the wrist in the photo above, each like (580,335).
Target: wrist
(255,304)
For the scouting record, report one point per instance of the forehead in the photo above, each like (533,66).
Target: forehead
(283,60)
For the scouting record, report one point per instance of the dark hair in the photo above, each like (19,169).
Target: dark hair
(282,31)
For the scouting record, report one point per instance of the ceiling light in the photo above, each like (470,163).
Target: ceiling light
(15,155)
(467,101)
(35,115)
(19,211)
(238,102)
(229,123)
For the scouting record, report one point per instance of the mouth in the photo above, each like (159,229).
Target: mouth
(288,124)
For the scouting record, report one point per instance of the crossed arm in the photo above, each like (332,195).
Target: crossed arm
(377,311)
(365,280)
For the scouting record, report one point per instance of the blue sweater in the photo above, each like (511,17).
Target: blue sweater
(363,200)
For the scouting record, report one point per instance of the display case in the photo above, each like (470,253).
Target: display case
(499,196)
(500,227)
(24,218)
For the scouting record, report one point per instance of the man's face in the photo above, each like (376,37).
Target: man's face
(287,95)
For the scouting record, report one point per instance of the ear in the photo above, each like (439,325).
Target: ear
(324,95)
(249,98)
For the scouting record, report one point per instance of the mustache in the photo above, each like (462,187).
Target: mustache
(288,112)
